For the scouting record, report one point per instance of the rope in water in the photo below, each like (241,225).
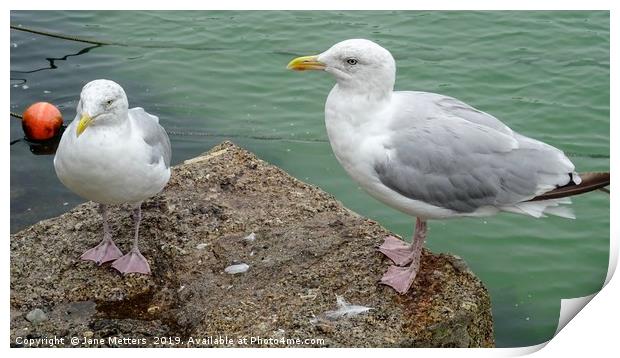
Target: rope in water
(64,37)
(193,133)
(107,43)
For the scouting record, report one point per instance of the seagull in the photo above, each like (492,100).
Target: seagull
(113,155)
(432,156)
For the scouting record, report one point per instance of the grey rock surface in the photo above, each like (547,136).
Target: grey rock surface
(36,316)
(309,249)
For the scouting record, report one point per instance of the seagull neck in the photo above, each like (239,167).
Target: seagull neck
(118,123)
(369,94)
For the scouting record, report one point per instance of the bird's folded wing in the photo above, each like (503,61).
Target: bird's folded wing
(153,135)
(464,111)
(454,163)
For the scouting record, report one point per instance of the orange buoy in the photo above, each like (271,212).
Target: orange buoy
(41,121)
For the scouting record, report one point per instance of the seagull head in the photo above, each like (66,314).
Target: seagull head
(359,65)
(101,102)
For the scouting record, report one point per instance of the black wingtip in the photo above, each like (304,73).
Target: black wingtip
(589,182)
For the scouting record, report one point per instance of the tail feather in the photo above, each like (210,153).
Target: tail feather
(561,211)
(539,209)
(589,182)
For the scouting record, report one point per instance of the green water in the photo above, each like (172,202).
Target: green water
(210,76)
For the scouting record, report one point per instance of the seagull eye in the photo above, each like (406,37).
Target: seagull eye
(351,61)
(109,102)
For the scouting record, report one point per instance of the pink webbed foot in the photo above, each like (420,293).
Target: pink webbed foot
(399,278)
(104,252)
(397,250)
(132,262)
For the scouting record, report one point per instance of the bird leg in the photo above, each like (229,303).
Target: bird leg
(397,250)
(106,250)
(134,261)
(401,278)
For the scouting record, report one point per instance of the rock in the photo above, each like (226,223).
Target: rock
(36,316)
(310,249)
(459,264)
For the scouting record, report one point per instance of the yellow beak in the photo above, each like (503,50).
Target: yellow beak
(84,122)
(306,63)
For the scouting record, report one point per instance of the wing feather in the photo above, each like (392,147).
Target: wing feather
(448,154)
(153,134)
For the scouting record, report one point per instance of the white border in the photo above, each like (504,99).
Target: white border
(593,330)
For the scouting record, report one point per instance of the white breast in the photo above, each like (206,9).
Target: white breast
(107,165)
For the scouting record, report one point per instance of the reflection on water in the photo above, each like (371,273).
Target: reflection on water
(52,60)
(47,147)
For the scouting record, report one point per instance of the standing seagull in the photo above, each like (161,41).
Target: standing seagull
(433,156)
(113,155)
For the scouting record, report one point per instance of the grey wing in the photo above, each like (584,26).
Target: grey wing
(456,164)
(153,134)
(454,107)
